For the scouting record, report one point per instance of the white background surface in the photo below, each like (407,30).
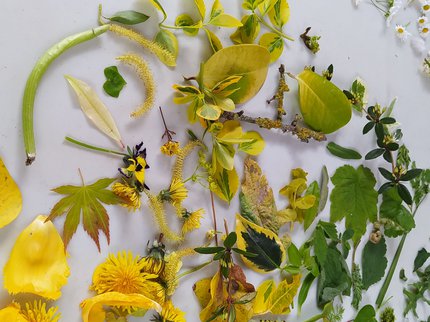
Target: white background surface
(355,41)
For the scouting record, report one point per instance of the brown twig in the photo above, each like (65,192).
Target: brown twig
(167,132)
(279,96)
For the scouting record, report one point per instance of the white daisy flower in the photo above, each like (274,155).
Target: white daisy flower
(421,21)
(402,33)
(418,44)
(425,7)
(424,30)
(394,9)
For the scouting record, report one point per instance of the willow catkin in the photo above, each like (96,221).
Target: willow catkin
(164,55)
(178,167)
(145,75)
(157,208)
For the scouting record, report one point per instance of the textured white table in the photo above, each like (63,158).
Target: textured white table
(355,41)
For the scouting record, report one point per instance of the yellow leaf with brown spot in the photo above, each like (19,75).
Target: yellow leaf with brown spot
(10,197)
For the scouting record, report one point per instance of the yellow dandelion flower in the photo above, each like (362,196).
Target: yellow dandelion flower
(170,313)
(170,148)
(37,312)
(129,195)
(191,220)
(177,192)
(152,265)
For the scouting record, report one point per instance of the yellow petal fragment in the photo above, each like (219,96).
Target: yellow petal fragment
(10,197)
(12,314)
(202,291)
(37,263)
(92,308)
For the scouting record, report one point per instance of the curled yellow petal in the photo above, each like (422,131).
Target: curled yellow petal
(10,197)
(92,308)
(12,313)
(37,263)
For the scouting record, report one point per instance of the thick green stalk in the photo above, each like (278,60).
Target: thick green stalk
(34,79)
(390,274)
(93,147)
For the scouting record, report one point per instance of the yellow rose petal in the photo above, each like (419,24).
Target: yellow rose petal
(92,308)
(10,197)
(37,263)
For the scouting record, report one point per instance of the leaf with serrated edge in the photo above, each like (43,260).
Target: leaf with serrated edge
(260,241)
(354,198)
(257,200)
(87,200)
(95,109)
(374,262)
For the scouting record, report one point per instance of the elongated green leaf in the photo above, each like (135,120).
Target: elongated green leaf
(312,212)
(214,41)
(208,250)
(94,109)
(249,61)
(261,241)
(354,198)
(324,189)
(129,17)
(280,13)
(323,105)
(397,219)
(374,262)
(343,153)
(304,290)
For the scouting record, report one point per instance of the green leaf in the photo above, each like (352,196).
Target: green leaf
(396,218)
(251,4)
(248,32)
(87,200)
(369,126)
(249,61)
(421,258)
(294,256)
(274,44)
(257,203)
(311,213)
(209,112)
(358,91)
(366,314)
(404,193)
(334,278)
(374,154)
(208,250)
(230,240)
(214,41)
(242,252)
(329,230)
(374,262)
(185,20)
(168,41)
(261,241)
(324,189)
(129,17)
(386,174)
(354,198)
(304,290)
(226,183)
(411,174)
(346,246)
(266,6)
(323,105)
(224,154)
(114,81)
(342,152)
(253,147)
(320,246)
(225,20)
(280,13)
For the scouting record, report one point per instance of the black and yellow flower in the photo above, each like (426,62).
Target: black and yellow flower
(135,166)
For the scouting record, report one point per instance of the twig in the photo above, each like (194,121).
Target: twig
(279,96)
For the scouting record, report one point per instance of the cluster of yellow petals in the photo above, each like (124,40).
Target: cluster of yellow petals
(192,220)
(35,312)
(129,195)
(170,148)
(177,191)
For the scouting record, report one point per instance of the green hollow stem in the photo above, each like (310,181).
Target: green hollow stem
(93,147)
(194,269)
(34,79)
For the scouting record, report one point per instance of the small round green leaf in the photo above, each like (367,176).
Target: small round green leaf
(129,17)
(343,153)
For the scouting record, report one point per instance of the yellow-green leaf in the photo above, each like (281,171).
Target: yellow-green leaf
(251,4)
(276,300)
(224,103)
(225,83)
(261,241)
(249,30)
(200,4)
(280,13)
(217,9)
(249,61)
(185,20)
(159,7)
(94,109)
(225,20)
(168,41)
(209,112)
(226,183)
(213,40)
(223,154)
(266,6)
(10,197)
(274,44)
(323,105)
(255,146)
(231,133)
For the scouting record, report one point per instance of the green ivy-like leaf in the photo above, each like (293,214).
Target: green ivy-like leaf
(354,198)
(374,262)
(114,81)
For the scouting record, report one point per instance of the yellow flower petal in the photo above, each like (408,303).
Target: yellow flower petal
(12,314)
(10,197)
(92,308)
(37,263)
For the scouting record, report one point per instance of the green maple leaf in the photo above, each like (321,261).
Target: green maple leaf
(85,199)
(354,198)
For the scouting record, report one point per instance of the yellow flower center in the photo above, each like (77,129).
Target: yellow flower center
(425,30)
(426,7)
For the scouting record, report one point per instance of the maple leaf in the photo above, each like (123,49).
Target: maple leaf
(85,199)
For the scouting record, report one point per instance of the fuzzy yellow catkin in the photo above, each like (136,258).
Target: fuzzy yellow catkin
(156,205)
(164,55)
(145,75)
(178,167)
